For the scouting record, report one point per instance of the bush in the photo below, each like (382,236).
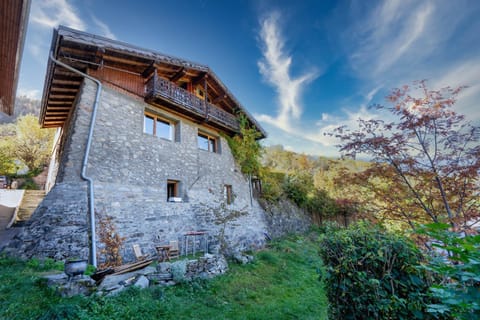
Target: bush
(372,274)
(458,290)
(272,189)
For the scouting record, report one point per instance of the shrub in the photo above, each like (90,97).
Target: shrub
(179,269)
(272,189)
(372,274)
(458,290)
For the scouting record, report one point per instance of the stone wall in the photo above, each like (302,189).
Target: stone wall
(130,170)
(285,218)
(58,227)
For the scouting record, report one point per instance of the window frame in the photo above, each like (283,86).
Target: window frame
(210,138)
(158,118)
(228,193)
(176,189)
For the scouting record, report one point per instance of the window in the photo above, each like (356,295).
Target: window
(173,193)
(228,194)
(207,142)
(158,126)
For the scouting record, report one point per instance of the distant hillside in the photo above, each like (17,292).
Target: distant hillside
(23,106)
(281,160)
(323,172)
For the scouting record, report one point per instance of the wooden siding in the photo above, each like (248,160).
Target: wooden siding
(132,83)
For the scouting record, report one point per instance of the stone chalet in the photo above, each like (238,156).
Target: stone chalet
(158,161)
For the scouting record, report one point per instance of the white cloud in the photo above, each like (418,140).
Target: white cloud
(275,68)
(393,32)
(104,29)
(51,13)
(286,123)
(328,123)
(465,73)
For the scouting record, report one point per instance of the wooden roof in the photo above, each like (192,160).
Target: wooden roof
(85,52)
(13,24)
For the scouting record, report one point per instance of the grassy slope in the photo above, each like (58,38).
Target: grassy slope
(283,283)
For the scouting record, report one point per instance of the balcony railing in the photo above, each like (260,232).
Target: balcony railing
(166,90)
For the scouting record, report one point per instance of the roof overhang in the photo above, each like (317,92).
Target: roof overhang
(85,52)
(13,26)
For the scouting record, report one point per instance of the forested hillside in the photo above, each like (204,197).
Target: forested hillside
(313,183)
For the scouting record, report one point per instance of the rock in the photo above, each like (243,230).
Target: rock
(68,288)
(240,258)
(56,279)
(112,282)
(157,277)
(115,291)
(147,270)
(141,282)
(164,267)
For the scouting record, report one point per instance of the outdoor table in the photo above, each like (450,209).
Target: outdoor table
(163,252)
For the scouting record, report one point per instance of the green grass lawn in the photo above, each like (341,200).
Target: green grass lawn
(282,283)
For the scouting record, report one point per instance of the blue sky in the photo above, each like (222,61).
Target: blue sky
(300,67)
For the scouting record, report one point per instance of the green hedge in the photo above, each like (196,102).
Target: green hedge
(372,274)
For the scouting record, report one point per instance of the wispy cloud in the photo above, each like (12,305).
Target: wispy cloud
(392,32)
(465,73)
(328,123)
(51,13)
(103,28)
(398,41)
(275,68)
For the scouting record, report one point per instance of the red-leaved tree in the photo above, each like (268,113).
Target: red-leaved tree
(425,162)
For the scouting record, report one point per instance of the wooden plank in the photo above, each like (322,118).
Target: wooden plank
(132,266)
(54,96)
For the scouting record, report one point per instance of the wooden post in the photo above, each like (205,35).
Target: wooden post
(206,95)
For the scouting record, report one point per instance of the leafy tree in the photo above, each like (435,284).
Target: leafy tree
(457,291)
(427,159)
(298,187)
(32,143)
(245,147)
(7,159)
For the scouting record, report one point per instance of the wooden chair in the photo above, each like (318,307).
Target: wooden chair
(138,253)
(174,251)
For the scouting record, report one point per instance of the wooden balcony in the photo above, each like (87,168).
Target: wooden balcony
(161,91)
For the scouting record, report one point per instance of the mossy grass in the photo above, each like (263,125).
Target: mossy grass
(282,283)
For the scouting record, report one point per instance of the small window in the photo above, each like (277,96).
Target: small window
(173,193)
(207,142)
(158,126)
(228,194)
(200,93)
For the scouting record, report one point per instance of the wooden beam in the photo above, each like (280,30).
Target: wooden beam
(66,108)
(61,96)
(199,78)
(66,82)
(64,90)
(177,76)
(149,70)
(219,98)
(59,103)
(56,113)
(99,55)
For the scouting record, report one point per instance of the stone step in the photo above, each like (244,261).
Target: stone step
(31,200)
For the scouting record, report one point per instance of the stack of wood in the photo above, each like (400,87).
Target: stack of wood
(100,274)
